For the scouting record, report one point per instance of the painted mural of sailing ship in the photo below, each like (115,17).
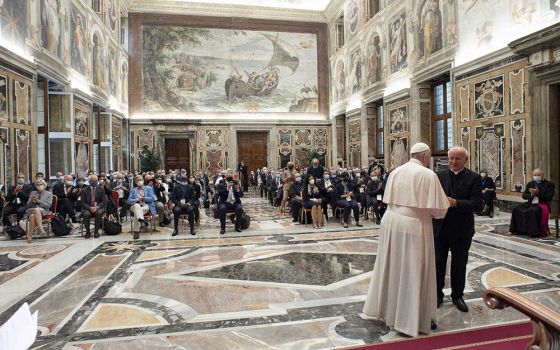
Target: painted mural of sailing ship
(283,55)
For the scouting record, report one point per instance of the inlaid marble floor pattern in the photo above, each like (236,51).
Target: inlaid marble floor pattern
(257,291)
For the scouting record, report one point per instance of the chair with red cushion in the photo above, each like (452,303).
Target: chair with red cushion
(46,219)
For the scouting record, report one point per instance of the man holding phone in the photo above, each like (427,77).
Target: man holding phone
(184,200)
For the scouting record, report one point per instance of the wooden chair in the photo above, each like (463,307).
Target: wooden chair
(151,218)
(46,219)
(304,211)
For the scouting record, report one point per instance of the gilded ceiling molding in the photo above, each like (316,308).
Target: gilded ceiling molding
(199,9)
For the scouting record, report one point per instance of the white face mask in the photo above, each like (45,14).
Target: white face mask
(40,188)
(139,183)
(537,178)
(68,183)
(375,178)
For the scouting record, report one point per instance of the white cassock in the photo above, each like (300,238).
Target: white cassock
(402,290)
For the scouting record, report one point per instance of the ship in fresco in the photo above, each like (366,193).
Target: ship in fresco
(283,55)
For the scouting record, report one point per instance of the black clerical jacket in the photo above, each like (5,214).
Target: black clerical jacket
(545,194)
(465,188)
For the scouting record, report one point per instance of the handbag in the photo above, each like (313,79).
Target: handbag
(245,221)
(111,228)
(14,231)
(59,227)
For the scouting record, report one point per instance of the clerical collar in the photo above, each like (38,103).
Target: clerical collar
(457,172)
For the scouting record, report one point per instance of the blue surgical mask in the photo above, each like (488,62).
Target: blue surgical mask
(93,183)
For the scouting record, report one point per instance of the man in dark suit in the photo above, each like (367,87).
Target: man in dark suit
(295,197)
(123,189)
(94,201)
(345,193)
(65,193)
(454,232)
(184,200)
(244,174)
(315,169)
(16,200)
(229,193)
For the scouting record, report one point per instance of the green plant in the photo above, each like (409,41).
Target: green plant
(150,159)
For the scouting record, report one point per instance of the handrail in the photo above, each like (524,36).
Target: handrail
(546,322)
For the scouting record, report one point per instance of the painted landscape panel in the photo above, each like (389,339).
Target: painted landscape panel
(224,70)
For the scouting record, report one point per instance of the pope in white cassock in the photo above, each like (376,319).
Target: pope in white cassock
(402,290)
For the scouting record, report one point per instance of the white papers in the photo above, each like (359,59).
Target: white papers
(20,331)
(349,199)
(535,200)
(379,197)
(361,190)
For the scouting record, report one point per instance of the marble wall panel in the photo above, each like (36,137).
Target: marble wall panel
(5,156)
(284,156)
(489,98)
(21,102)
(490,151)
(466,138)
(82,119)
(285,137)
(464,103)
(301,157)
(371,136)
(214,149)
(214,161)
(23,153)
(425,121)
(4,100)
(354,131)
(303,137)
(340,137)
(517,161)
(399,151)
(517,91)
(321,137)
(82,158)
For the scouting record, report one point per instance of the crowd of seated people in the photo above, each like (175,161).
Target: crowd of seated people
(315,188)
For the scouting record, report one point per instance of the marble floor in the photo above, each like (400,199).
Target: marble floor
(275,285)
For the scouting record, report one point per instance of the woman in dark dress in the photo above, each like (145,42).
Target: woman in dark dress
(312,196)
(488,192)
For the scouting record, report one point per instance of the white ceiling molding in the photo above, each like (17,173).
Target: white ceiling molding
(333,9)
(225,10)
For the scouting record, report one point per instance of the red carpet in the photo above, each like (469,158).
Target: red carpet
(508,337)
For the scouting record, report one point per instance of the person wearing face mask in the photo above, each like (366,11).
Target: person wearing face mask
(39,204)
(488,193)
(160,198)
(229,193)
(16,200)
(41,176)
(80,183)
(312,195)
(315,169)
(65,193)
(273,183)
(531,218)
(296,197)
(94,202)
(328,197)
(263,177)
(374,189)
(198,195)
(123,190)
(289,177)
(184,200)
(345,193)
(141,200)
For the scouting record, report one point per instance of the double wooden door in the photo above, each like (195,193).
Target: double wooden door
(177,155)
(252,149)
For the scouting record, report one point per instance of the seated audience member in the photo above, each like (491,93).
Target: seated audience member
(295,197)
(160,197)
(315,169)
(273,187)
(328,197)
(39,204)
(229,192)
(94,202)
(361,182)
(488,192)
(532,217)
(374,189)
(16,199)
(313,194)
(184,200)
(141,200)
(103,182)
(66,198)
(121,187)
(80,184)
(345,197)
(40,176)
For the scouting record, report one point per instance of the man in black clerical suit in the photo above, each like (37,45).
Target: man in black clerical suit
(16,200)
(229,193)
(315,169)
(185,201)
(454,232)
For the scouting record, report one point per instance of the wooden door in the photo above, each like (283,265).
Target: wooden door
(177,155)
(252,149)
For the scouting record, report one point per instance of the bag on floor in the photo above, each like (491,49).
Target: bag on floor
(112,228)
(14,231)
(59,227)
(245,221)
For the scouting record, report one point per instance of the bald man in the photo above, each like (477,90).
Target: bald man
(454,232)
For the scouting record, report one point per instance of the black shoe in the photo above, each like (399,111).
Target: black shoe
(87,235)
(439,302)
(136,235)
(74,220)
(222,232)
(175,233)
(491,215)
(433,326)
(359,225)
(232,219)
(96,234)
(378,221)
(461,305)
(193,232)
(161,224)
(237,230)
(295,220)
